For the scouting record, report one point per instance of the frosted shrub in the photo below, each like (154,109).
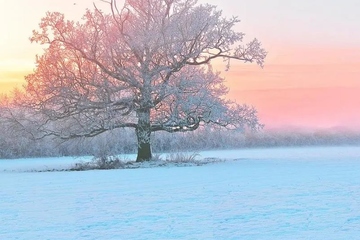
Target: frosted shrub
(181,157)
(100,163)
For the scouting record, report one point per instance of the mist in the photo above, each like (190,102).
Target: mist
(17,144)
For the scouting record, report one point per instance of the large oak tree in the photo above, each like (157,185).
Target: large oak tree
(144,65)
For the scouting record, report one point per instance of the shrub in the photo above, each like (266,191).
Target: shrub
(182,157)
(100,163)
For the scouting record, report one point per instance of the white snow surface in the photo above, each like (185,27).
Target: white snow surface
(280,193)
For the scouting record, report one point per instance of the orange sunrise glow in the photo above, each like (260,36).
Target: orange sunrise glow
(311,76)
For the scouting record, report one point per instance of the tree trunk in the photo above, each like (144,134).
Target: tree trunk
(143,132)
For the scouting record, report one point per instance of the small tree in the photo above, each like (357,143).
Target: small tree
(145,65)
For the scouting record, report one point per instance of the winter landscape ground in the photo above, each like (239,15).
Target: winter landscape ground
(275,193)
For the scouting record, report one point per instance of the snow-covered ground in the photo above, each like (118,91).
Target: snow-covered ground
(281,193)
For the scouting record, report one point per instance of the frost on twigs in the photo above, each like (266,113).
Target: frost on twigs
(252,52)
(145,65)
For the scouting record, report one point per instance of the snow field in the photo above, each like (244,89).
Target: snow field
(293,193)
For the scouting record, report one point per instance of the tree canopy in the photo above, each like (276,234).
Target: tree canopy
(145,65)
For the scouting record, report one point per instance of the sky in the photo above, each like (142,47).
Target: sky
(311,77)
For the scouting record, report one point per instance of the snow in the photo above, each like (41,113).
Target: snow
(280,193)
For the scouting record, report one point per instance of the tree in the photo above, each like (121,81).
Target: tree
(145,65)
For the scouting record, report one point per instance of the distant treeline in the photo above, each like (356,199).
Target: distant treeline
(14,144)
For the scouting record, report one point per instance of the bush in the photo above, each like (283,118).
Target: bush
(100,163)
(181,157)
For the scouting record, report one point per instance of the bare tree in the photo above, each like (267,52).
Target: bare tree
(145,65)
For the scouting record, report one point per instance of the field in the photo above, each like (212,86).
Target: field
(275,193)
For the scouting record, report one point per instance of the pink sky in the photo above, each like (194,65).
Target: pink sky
(302,87)
(311,77)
